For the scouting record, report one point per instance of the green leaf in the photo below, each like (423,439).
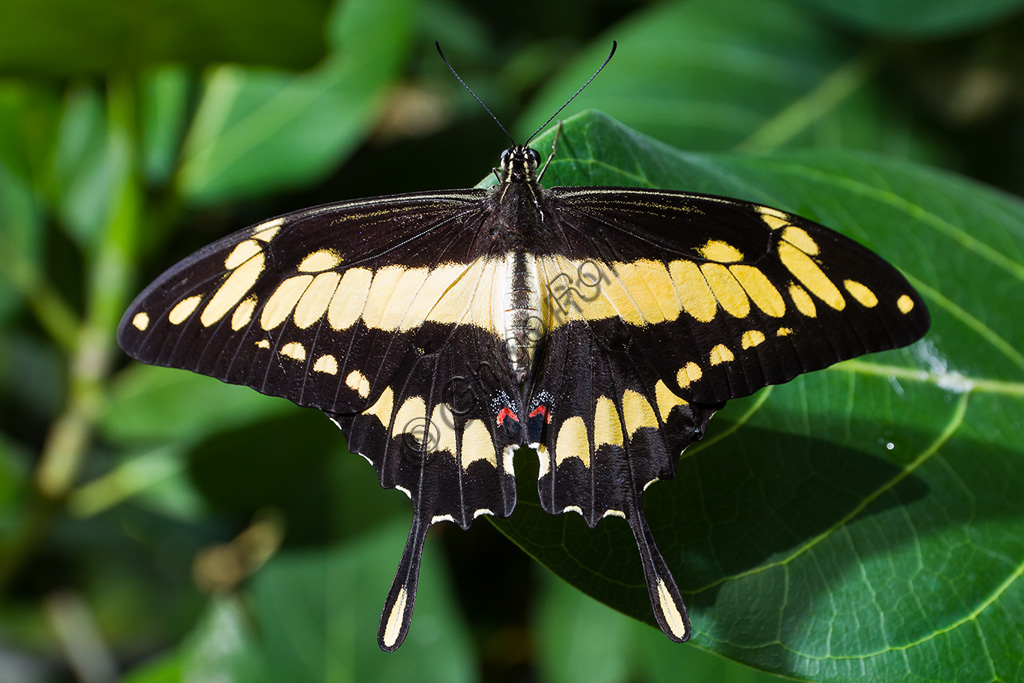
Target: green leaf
(916,18)
(311,617)
(68,37)
(717,74)
(860,523)
(261,130)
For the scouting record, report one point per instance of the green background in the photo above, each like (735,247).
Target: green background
(861,523)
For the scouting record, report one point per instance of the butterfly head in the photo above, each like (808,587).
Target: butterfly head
(519,164)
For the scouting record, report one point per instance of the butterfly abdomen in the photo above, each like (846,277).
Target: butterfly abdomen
(518,314)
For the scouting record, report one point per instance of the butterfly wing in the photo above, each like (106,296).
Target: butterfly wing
(376,312)
(663,305)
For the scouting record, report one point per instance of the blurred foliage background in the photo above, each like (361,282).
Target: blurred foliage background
(156,525)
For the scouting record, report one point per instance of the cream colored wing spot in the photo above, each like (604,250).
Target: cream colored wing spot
(393,627)
(783,332)
(410,418)
(802,300)
(760,289)
(607,428)
(650,289)
(722,252)
(572,442)
(477,445)
(282,302)
(183,309)
(263,344)
(242,252)
(326,364)
(864,296)
(390,294)
(349,298)
(573,508)
(693,290)
(752,338)
(383,406)
(441,297)
(799,238)
(543,460)
(440,435)
(689,373)
(673,617)
(613,513)
(507,462)
(314,301)
(357,382)
(720,354)
(905,304)
(141,321)
(294,350)
(666,400)
(637,412)
(774,218)
(268,230)
(243,313)
(807,272)
(727,290)
(323,259)
(236,286)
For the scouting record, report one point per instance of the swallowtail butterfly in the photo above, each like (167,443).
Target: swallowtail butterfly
(600,326)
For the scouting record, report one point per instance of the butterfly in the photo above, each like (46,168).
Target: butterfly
(601,327)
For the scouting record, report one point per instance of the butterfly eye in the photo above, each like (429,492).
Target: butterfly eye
(534,157)
(505,155)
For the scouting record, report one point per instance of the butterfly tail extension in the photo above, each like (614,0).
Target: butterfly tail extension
(398,607)
(666,601)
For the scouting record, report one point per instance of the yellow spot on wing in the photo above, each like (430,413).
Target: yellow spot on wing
(752,338)
(666,400)
(183,309)
(723,252)
(760,289)
(382,408)
(242,252)
(773,217)
(349,298)
(637,412)
(808,272)
(783,332)
(693,290)
(799,238)
(263,344)
(243,313)
(864,296)
(294,350)
(281,303)
(326,364)
(395,620)
(905,304)
(572,441)
(690,372)
(441,434)
(727,290)
(802,300)
(357,382)
(141,321)
(673,617)
(607,428)
(266,231)
(324,259)
(477,444)
(410,417)
(314,301)
(720,354)
(236,286)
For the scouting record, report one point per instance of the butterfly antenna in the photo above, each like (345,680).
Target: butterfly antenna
(608,59)
(470,90)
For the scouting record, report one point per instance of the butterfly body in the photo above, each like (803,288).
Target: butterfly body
(602,327)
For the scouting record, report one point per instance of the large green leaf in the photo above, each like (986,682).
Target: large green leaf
(916,18)
(260,130)
(714,74)
(860,523)
(69,37)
